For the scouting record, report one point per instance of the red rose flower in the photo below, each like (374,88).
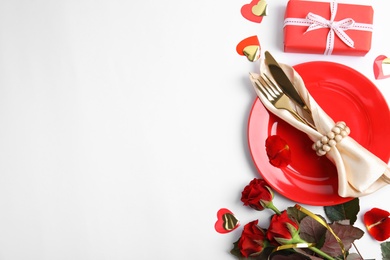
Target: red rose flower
(283,230)
(278,151)
(257,194)
(377,222)
(252,240)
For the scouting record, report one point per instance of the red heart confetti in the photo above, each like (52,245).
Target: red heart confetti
(381,67)
(226,221)
(377,222)
(278,151)
(254,11)
(249,47)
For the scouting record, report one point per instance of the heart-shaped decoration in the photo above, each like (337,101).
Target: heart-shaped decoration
(254,11)
(226,221)
(252,52)
(260,9)
(382,67)
(249,47)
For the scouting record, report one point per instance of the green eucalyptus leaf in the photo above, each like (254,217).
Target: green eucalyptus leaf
(385,247)
(347,210)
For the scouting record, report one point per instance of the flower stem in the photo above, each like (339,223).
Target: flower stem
(271,206)
(321,253)
(313,248)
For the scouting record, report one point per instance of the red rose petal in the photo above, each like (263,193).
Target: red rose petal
(278,151)
(377,222)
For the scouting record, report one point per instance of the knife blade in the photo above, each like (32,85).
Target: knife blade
(283,81)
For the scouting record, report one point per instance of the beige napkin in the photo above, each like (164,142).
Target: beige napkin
(359,171)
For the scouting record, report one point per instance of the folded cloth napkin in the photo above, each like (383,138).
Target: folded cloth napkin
(359,171)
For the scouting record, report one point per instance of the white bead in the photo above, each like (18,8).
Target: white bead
(324,139)
(332,143)
(326,148)
(336,130)
(314,146)
(318,144)
(343,133)
(347,130)
(330,135)
(341,124)
(321,152)
(338,138)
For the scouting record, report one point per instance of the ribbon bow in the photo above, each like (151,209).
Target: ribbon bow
(315,21)
(335,27)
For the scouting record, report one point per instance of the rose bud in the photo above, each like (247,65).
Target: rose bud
(377,222)
(283,230)
(252,240)
(257,194)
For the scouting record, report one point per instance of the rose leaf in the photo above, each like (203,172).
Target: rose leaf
(290,255)
(310,256)
(312,231)
(385,248)
(354,256)
(347,233)
(296,214)
(347,210)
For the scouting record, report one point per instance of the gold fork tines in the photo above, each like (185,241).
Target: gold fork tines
(276,96)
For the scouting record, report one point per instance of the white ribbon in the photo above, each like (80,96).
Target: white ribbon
(314,22)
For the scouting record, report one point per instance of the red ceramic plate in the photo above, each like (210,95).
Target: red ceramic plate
(345,95)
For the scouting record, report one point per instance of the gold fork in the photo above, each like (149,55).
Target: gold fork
(275,95)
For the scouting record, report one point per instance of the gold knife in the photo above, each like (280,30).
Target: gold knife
(284,82)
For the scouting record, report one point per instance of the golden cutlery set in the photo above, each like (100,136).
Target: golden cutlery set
(282,93)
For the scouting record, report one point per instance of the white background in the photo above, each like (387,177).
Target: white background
(123,126)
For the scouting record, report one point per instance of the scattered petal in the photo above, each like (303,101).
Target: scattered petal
(377,222)
(278,151)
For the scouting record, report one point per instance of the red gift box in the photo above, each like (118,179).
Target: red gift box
(327,28)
